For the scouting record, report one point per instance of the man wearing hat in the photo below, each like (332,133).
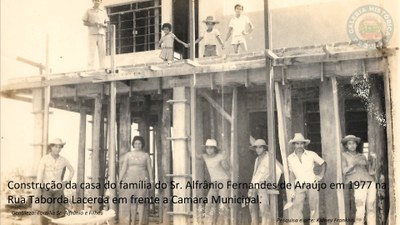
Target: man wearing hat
(211,38)
(261,174)
(51,169)
(301,166)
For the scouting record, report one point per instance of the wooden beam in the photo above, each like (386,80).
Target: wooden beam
(159,156)
(334,57)
(166,154)
(135,73)
(181,120)
(283,112)
(193,146)
(38,148)
(270,88)
(376,139)
(338,69)
(331,148)
(112,165)
(216,106)
(124,126)
(80,176)
(390,138)
(96,145)
(234,154)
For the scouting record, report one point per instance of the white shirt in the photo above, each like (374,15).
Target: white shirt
(261,169)
(100,16)
(210,38)
(51,169)
(238,25)
(304,169)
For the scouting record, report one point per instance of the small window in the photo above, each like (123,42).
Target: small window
(137,25)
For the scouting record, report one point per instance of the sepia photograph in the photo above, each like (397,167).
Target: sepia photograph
(200,112)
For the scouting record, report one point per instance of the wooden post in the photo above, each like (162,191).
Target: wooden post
(97,123)
(390,138)
(112,130)
(37,110)
(112,144)
(158,156)
(181,119)
(124,126)
(81,157)
(212,122)
(47,98)
(166,153)
(331,147)
(271,108)
(376,140)
(194,151)
(283,112)
(271,135)
(234,155)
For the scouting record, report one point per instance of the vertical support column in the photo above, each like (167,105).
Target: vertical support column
(97,123)
(165,132)
(112,143)
(181,163)
(376,140)
(270,86)
(234,155)
(283,102)
(124,126)
(193,144)
(331,149)
(391,69)
(46,106)
(37,110)
(81,156)
(212,122)
(112,151)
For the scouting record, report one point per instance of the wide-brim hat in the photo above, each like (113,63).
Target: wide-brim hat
(298,137)
(56,141)
(210,19)
(258,142)
(350,138)
(211,143)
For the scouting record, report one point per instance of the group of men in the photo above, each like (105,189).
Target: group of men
(301,168)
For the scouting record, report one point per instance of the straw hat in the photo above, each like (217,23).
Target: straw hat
(210,19)
(298,137)
(350,138)
(258,142)
(57,141)
(211,143)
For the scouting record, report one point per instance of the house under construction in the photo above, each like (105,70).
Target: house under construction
(324,90)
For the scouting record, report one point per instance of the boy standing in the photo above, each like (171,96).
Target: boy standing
(237,28)
(96,20)
(167,43)
(211,37)
(261,174)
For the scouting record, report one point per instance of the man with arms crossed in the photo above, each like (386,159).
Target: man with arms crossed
(301,168)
